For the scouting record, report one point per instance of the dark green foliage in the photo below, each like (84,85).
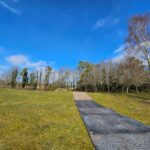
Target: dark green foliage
(33,80)
(47,75)
(13,77)
(84,68)
(24,75)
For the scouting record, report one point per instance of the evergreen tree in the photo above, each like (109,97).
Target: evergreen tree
(24,75)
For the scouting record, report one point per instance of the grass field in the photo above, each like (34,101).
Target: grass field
(34,120)
(140,96)
(136,106)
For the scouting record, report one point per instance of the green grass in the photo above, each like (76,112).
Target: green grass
(142,96)
(127,105)
(36,120)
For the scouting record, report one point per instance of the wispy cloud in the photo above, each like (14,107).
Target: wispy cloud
(107,21)
(100,23)
(17,59)
(7,5)
(119,49)
(37,64)
(119,58)
(120,54)
(24,61)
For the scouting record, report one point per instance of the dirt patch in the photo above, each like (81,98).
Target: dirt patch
(81,96)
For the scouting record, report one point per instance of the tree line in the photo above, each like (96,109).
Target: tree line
(128,75)
(131,73)
(45,78)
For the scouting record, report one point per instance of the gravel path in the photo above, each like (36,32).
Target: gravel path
(109,130)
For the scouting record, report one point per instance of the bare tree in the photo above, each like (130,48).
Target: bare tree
(10,77)
(6,77)
(138,39)
(93,77)
(132,73)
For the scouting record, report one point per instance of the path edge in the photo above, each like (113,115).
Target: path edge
(88,132)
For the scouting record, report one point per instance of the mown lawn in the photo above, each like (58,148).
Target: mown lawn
(36,120)
(136,106)
(141,96)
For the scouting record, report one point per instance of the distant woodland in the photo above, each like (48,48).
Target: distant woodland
(130,74)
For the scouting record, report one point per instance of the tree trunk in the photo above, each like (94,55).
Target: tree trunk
(127,90)
(85,88)
(137,89)
(95,89)
(148,60)
(122,89)
(108,88)
(149,68)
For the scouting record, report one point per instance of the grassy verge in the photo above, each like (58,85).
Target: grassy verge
(142,96)
(128,105)
(40,120)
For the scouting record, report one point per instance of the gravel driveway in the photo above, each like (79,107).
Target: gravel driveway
(109,130)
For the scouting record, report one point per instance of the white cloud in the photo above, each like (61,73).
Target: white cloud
(120,54)
(100,23)
(107,21)
(119,49)
(17,59)
(119,58)
(36,65)
(24,61)
(9,7)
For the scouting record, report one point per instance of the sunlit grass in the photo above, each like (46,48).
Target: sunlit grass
(142,95)
(40,120)
(128,105)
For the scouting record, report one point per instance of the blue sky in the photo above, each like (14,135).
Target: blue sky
(60,33)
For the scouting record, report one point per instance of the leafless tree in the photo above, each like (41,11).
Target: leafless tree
(9,77)
(138,39)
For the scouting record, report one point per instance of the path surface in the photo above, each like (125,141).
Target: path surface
(109,130)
